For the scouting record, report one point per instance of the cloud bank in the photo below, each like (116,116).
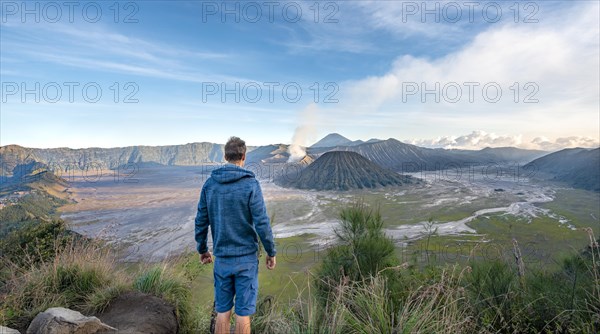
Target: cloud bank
(554,63)
(481,139)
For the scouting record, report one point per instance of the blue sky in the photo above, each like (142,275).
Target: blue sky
(362,57)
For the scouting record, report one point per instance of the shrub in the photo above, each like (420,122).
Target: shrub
(564,298)
(493,286)
(363,251)
(561,300)
(36,242)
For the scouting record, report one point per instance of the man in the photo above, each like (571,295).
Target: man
(231,203)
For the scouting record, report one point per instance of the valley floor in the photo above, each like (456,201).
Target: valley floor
(150,214)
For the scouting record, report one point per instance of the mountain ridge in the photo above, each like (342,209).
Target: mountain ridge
(398,156)
(190,154)
(578,167)
(390,153)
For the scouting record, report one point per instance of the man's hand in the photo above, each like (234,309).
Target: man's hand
(206,258)
(271,262)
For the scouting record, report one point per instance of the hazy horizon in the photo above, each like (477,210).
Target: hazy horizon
(421,143)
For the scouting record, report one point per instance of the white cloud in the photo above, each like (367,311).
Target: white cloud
(100,49)
(559,56)
(564,142)
(474,140)
(354,26)
(405,18)
(481,139)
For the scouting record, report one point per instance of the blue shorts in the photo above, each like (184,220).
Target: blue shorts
(236,276)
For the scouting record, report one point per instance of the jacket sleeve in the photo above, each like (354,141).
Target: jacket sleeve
(261,221)
(202,224)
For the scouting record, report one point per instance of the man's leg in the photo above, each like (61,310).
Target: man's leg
(223,323)
(224,292)
(242,324)
(246,288)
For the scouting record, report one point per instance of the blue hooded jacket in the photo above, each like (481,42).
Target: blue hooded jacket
(232,204)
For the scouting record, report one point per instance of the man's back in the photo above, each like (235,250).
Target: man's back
(231,202)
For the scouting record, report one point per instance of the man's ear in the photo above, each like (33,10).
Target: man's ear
(243,156)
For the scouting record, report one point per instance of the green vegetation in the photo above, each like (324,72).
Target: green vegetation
(30,231)
(564,300)
(483,296)
(86,276)
(364,251)
(82,276)
(34,242)
(358,285)
(31,208)
(162,282)
(543,239)
(479,296)
(46,265)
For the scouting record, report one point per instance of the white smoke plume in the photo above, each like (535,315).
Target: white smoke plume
(304,133)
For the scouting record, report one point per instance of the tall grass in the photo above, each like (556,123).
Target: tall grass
(309,314)
(367,307)
(441,306)
(360,287)
(86,276)
(162,281)
(82,276)
(565,300)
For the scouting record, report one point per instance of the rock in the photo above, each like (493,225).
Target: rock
(136,312)
(59,320)
(6,330)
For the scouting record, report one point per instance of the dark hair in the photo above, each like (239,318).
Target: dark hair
(235,149)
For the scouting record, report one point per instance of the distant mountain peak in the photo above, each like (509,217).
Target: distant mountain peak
(372,140)
(331,140)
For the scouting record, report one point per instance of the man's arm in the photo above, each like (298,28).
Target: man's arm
(202,224)
(261,220)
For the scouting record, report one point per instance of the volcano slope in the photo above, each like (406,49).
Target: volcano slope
(342,170)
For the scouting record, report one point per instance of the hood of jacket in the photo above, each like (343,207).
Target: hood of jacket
(230,173)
